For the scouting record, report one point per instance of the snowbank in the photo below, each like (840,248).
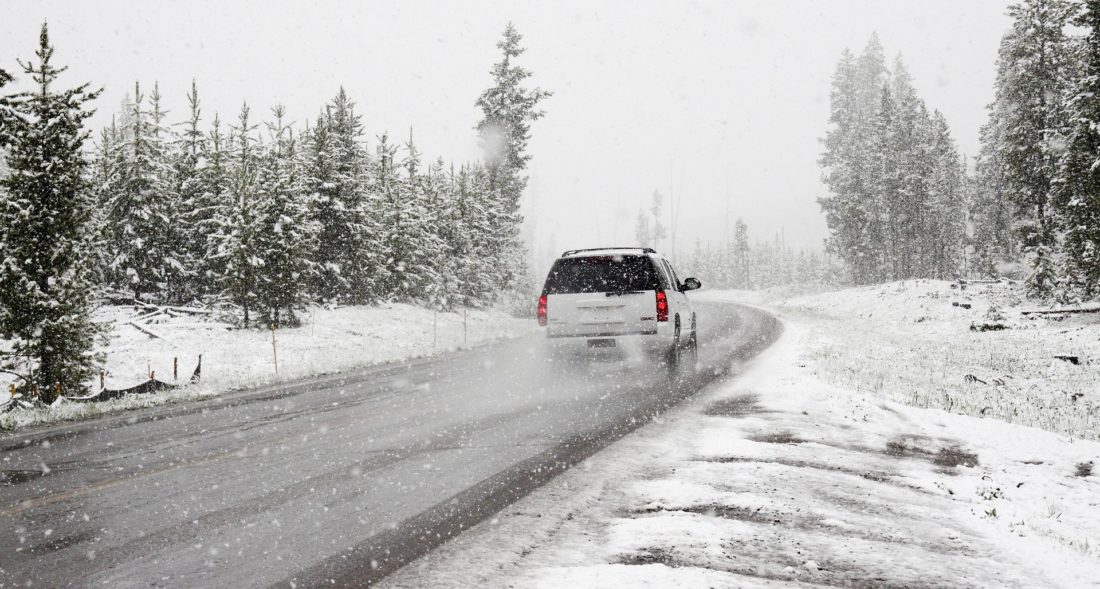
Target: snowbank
(331,340)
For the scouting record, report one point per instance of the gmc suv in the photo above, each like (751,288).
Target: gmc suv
(619,298)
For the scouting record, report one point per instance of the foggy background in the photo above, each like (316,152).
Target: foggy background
(718,104)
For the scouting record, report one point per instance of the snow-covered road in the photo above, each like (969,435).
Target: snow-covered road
(776,479)
(341,479)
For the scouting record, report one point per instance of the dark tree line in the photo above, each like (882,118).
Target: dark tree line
(262,215)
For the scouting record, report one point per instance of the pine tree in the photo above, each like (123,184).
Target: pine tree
(104,171)
(1035,61)
(335,174)
(945,218)
(851,209)
(284,236)
(45,207)
(412,253)
(196,212)
(210,212)
(143,208)
(438,217)
(1078,196)
(742,275)
(237,246)
(508,107)
(991,212)
(883,198)
(895,205)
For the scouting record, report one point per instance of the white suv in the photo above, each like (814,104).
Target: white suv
(628,298)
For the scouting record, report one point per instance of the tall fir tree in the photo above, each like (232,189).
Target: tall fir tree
(196,212)
(945,233)
(895,202)
(142,207)
(1078,193)
(284,235)
(1034,73)
(239,229)
(210,211)
(508,108)
(45,207)
(335,176)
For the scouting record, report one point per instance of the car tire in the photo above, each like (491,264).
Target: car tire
(689,358)
(674,354)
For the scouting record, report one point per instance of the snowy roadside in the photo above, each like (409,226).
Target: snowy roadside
(776,478)
(972,351)
(330,341)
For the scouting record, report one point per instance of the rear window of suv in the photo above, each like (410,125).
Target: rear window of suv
(601,274)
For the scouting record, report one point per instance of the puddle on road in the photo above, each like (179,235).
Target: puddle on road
(757,515)
(741,406)
(871,475)
(19,476)
(652,556)
(777,438)
(53,545)
(955,456)
(948,456)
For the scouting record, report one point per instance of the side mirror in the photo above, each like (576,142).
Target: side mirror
(691,284)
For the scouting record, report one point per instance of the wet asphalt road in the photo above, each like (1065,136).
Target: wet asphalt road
(335,481)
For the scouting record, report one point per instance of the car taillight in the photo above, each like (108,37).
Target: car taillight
(542,310)
(662,306)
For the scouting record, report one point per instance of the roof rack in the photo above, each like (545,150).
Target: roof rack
(647,250)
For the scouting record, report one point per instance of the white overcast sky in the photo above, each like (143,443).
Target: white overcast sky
(721,102)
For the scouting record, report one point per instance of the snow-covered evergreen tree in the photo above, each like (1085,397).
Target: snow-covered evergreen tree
(206,217)
(45,207)
(1078,195)
(237,239)
(194,220)
(104,169)
(284,235)
(742,277)
(143,207)
(415,240)
(1034,73)
(895,204)
(855,87)
(508,108)
(944,224)
(335,176)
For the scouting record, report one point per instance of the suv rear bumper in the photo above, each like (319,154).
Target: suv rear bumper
(596,343)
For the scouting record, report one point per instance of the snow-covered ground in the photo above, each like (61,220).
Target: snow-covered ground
(331,340)
(917,342)
(788,476)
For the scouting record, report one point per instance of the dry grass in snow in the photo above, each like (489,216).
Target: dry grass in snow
(912,342)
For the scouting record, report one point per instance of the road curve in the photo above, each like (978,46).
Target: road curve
(336,481)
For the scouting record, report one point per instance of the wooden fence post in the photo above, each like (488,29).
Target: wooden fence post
(274,349)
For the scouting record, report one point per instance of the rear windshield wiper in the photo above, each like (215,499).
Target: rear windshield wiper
(623,292)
